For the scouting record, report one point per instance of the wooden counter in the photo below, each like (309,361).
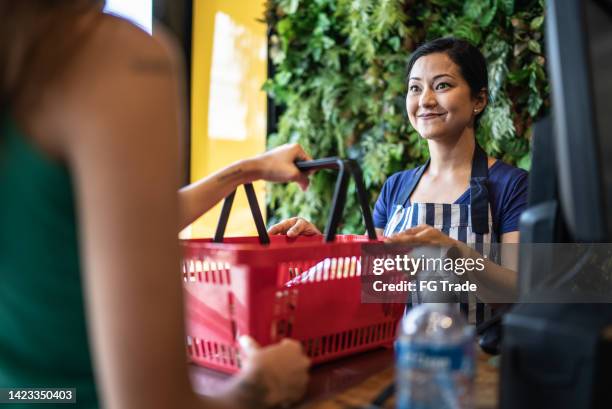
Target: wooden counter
(356,381)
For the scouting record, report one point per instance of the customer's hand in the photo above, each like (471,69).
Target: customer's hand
(277,165)
(294,227)
(271,376)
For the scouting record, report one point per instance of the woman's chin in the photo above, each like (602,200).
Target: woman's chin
(431,134)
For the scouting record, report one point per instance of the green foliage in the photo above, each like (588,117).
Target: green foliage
(340,74)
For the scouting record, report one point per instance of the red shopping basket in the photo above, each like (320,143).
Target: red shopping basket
(308,288)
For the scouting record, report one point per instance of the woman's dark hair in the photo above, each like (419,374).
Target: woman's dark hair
(468,58)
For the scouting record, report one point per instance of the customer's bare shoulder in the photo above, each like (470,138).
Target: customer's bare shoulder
(121,74)
(118,45)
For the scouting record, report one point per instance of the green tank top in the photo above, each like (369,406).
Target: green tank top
(43,338)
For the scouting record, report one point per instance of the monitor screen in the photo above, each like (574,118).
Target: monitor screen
(578,48)
(598,22)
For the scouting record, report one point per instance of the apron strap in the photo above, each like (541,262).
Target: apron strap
(405,194)
(479,192)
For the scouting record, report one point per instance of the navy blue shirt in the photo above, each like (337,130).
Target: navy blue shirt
(507,196)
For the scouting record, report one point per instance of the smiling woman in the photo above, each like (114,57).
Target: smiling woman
(460,197)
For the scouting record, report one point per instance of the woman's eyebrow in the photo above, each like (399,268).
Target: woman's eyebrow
(434,78)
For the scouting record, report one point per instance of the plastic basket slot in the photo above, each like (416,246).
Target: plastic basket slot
(357,338)
(196,347)
(227,269)
(209,350)
(307,345)
(213,272)
(216,351)
(187,270)
(184,270)
(337,342)
(284,311)
(223,354)
(333,268)
(200,343)
(230,355)
(232,314)
(189,345)
(197,265)
(238,360)
(360,337)
(343,338)
(346,267)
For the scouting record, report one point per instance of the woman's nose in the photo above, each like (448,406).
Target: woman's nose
(428,99)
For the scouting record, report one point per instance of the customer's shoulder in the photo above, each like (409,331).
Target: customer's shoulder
(114,41)
(116,58)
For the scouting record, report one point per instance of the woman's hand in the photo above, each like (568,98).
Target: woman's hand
(423,234)
(277,165)
(271,376)
(294,227)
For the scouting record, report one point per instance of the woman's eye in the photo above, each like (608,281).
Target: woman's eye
(443,85)
(413,88)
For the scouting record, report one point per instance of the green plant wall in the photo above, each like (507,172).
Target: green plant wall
(340,78)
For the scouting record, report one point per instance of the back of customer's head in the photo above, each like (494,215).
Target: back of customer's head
(37,37)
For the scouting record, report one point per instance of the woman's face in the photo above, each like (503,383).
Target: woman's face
(439,100)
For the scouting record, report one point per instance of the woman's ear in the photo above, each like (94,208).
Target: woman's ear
(481,100)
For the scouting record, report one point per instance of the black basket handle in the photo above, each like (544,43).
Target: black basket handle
(345,167)
(255,211)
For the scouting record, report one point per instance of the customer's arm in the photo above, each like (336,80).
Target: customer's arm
(276,165)
(120,141)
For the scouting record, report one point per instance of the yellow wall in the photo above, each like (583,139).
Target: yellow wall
(242,42)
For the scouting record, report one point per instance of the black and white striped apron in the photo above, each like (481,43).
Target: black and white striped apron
(470,223)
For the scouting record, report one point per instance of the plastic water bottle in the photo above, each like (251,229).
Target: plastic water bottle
(435,359)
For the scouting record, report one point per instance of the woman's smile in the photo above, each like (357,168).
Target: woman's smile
(431,115)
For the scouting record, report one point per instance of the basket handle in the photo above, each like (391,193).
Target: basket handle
(346,168)
(255,211)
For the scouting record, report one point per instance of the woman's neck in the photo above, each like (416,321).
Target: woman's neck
(451,155)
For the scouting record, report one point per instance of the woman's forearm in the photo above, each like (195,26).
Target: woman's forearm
(495,282)
(199,197)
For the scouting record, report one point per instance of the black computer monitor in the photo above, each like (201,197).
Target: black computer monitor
(579,51)
(570,184)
